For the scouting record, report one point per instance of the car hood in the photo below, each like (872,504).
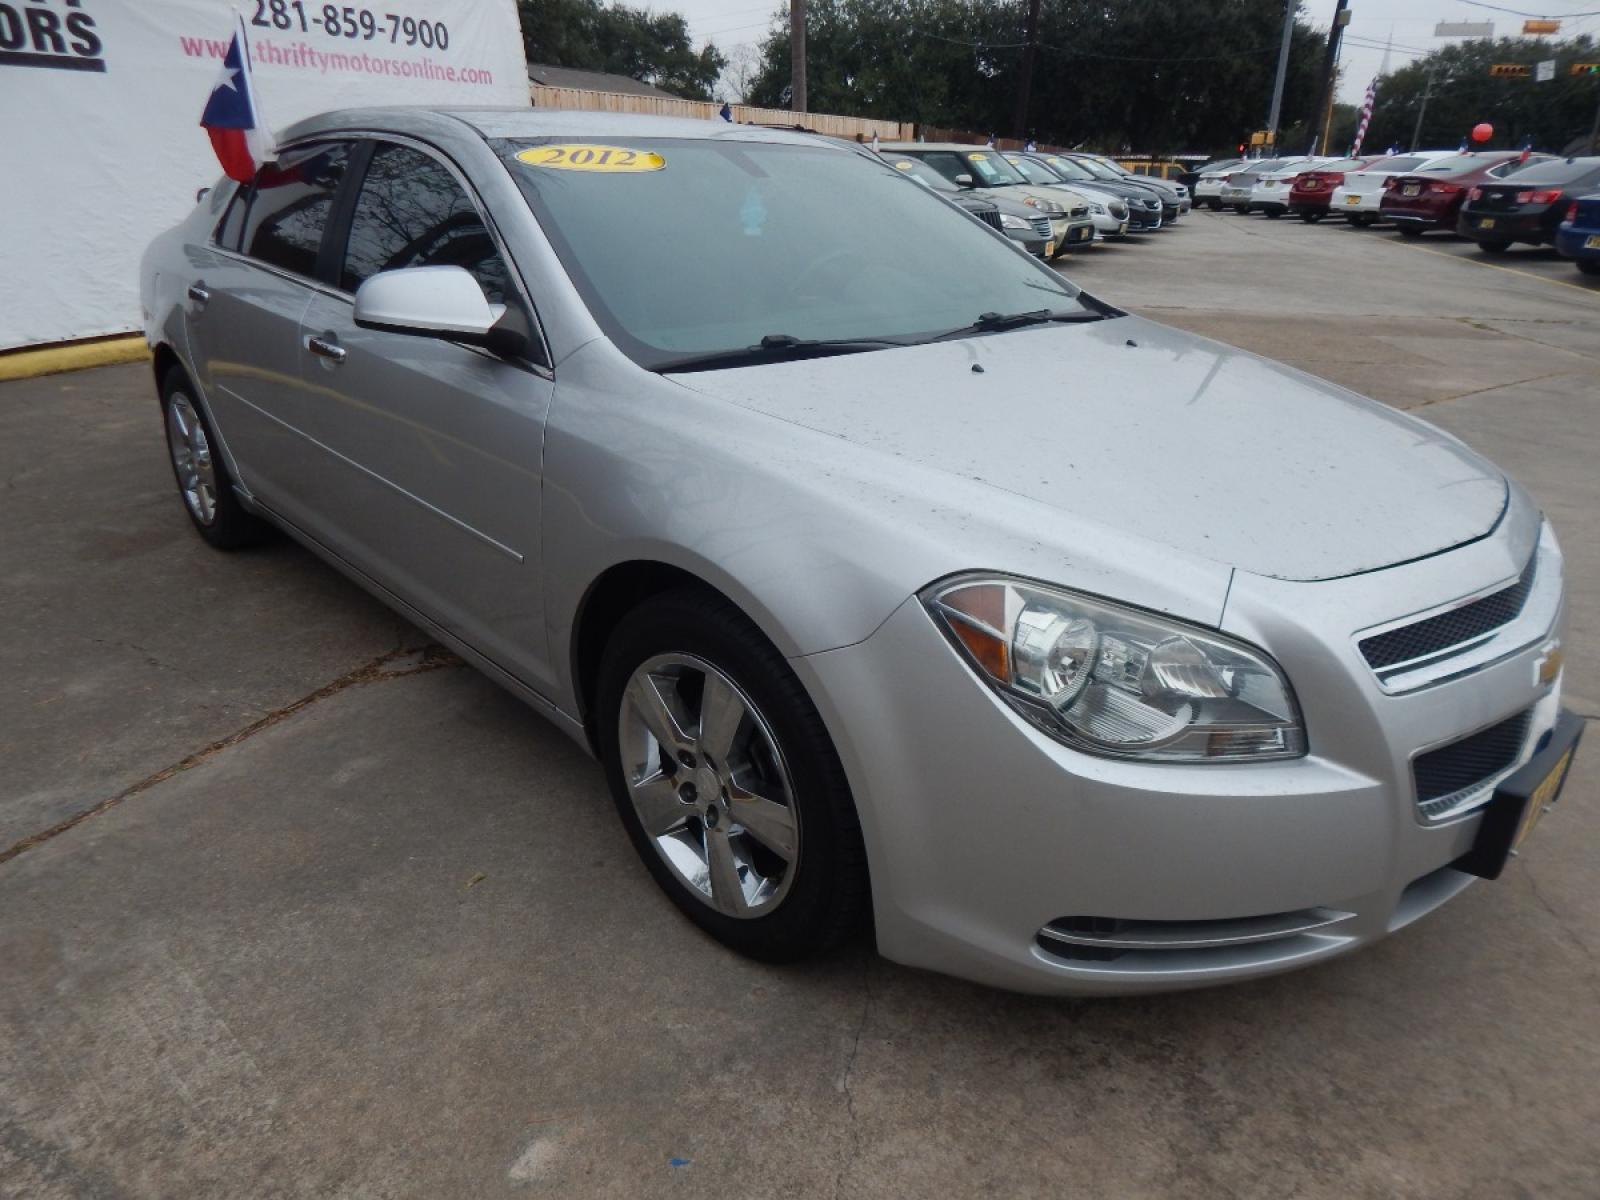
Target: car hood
(1155,433)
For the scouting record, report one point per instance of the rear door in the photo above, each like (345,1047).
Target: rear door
(429,452)
(245,304)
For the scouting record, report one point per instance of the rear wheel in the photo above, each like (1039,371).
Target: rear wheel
(1411,231)
(203,479)
(727,781)
(1242,209)
(1360,220)
(1216,205)
(1494,247)
(1274,213)
(1312,215)
(1589,266)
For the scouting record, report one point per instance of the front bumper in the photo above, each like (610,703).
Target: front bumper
(1077,234)
(982,831)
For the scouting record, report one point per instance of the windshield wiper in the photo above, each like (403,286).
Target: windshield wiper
(775,347)
(993,322)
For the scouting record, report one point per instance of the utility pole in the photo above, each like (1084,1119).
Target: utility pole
(797,55)
(1341,18)
(1289,8)
(1427,90)
(1025,83)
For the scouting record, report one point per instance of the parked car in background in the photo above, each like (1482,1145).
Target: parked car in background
(1529,206)
(1207,187)
(1169,189)
(1144,205)
(1270,192)
(978,166)
(1026,226)
(1578,237)
(1240,184)
(1100,169)
(1311,191)
(1431,197)
(1108,211)
(1358,196)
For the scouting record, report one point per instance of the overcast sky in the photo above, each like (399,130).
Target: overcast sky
(1373,23)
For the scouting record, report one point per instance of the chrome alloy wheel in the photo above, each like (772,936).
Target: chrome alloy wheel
(191,457)
(709,785)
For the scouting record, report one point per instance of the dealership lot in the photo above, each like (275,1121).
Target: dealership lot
(344,918)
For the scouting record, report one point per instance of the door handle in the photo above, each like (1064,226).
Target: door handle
(198,293)
(325,347)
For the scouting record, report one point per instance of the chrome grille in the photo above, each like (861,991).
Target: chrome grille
(1041,225)
(990,216)
(1449,632)
(1448,777)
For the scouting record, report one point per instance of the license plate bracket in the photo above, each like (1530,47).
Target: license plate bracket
(1520,799)
(1485,222)
(1592,242)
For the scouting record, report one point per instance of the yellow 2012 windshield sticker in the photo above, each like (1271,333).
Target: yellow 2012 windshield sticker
(584,157)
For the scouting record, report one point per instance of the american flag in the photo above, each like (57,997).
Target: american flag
(1366,116)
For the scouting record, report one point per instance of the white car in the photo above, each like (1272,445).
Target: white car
(1270,192)
(1208,184)
(1108,211)
(1238,185)
(1359,196)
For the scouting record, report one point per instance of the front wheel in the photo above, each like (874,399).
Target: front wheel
(1410,231)
(1495,247)
(1312,215)
(727,781)
(1360,220)
(1589,266)
(1242,209)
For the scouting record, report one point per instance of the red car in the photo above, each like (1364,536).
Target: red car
(1312,191)
(1431,196)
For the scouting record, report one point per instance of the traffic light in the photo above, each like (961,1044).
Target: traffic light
(1586,68)
(1509,70)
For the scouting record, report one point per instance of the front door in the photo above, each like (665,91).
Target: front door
(428,472)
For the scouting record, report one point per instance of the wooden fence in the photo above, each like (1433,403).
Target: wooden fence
(705,110)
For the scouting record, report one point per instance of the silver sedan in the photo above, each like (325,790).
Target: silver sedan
(893,580)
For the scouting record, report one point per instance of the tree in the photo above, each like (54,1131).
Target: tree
(1158,75)
(635,42)
(1552,114)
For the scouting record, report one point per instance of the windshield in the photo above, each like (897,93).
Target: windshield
(1068,169)
(1097,168)
(921,172)
(687,248)
(1401,162)
(1034,172)
(992,169)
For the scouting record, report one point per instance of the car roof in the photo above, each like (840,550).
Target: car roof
(515,122)
(913,147)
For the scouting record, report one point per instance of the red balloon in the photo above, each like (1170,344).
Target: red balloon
(1482,132)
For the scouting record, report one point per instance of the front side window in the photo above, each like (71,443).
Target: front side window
(290,202)
(1032,171)
(991,169)
(715,244)
(411,212)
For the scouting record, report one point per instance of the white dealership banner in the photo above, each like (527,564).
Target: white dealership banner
(100,104)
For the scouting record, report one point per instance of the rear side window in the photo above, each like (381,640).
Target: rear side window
(1560,171)
(291,201)
(411,212)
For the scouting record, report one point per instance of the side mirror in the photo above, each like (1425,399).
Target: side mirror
(439,302)
(964,180)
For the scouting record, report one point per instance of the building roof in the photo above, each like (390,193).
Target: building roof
(591,81)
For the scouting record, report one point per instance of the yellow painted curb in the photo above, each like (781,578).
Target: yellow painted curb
(47,360)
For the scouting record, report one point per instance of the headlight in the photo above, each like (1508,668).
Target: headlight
(1007,221)
(1097,208)
(1117,681)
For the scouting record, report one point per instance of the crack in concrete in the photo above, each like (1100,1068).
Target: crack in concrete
(1493,387)
(393,664)
(844,1082)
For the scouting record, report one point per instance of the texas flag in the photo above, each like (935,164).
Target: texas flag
(239,137)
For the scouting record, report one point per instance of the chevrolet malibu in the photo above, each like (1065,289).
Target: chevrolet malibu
(892,579)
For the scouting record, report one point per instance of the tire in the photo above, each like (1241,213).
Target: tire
(202,477)
(1216,205)
(1494,247)
(1410,231)
(1312,215)
(1242,209)
(1274,213)
(1589,266)
(1360,220)
(671,651)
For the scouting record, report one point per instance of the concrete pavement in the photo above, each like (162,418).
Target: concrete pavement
(345,919)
